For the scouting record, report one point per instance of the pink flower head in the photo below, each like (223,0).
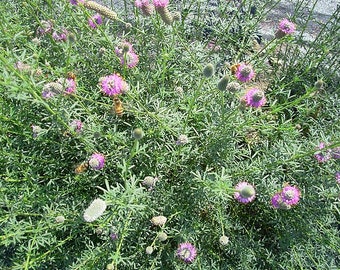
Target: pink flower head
(70,86)
(244,73)
(76,125)
(290,195)
(112,84)
(278,203)
(77,2)
(46,94)
(46,27)
(130,59)
(36,130)
(186,252)
(142,3)
(254,97)
(161,3)
(322,156)
(287,27)
(95,20)
(97,161)
(337,177)
(245,192)
(61,36)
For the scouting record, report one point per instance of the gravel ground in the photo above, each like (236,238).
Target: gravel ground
(322,12)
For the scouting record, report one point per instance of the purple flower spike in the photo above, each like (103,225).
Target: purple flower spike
(186,252)
(337,177)
(245,192)
(287,27)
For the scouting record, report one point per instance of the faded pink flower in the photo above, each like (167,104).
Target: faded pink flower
(278,203)
(254,97)
(46,27)
(60,36)
(126,54)
(245,192)
(322,156)
(113,84)
(95,20)
(244,73)
(76,125)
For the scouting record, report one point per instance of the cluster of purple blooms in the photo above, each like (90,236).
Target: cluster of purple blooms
(286,198)
(126,54)
(245,192)
(323,155)
(95,20)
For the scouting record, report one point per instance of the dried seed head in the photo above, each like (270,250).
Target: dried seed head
(158,220)
(149,250)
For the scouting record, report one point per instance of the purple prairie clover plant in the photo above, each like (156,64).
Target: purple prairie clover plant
(113,84)
(254,97)
(97,161)
(335,153)
(45,27)
(69,85)
(244,73)
(145,6)
(245,192)
(278,203)
(186,252)
(95,20)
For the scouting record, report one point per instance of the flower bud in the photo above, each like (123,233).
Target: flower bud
(162,236)
(138,133)
(208,70)
(222,84)
(149,250)
(60,219)
(224,240)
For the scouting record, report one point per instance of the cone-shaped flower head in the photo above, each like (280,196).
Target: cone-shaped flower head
(46,27)
(233,87)
(51,89)
(102,10)
(182,139)
(186,252)
(95,210)
(149,182)
(95,20)
(278,203)
(145,6)
(97,161)
(158,220)
(69,85)
(60,35)
(208,70)
(244,73)
(245,192)
(254,97)
(287,27)
(290,195)
(112,84)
